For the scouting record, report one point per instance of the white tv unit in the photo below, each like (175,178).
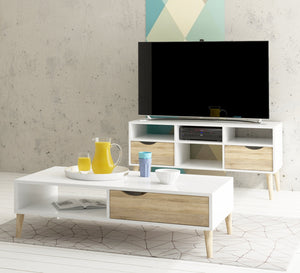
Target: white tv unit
(245,147)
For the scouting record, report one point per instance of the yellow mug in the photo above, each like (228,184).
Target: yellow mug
(216,111)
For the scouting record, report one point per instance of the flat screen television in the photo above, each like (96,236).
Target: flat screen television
(204,79)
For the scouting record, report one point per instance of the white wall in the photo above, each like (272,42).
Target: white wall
(68,72)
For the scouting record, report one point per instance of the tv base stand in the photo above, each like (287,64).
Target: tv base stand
(243,146)
(206,119)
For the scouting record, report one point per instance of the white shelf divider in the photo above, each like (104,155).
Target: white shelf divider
(198,164)
(155,138)
(247,141)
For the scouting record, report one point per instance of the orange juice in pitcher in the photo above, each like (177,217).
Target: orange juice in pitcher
(103,162)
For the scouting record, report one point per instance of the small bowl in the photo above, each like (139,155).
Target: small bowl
(167,176)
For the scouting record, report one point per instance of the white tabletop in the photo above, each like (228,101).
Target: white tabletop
(186,183)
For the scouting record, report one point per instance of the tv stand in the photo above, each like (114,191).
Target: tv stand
(206,118)
(245,146)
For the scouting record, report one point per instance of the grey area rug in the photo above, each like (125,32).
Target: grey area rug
(257,241)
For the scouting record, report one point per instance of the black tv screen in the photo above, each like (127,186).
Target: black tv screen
(204,79)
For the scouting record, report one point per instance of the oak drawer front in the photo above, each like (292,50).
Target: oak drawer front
(249,158)
(160,208)
(162,152)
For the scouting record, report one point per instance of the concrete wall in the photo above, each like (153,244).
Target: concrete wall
(68,72)
(277,22)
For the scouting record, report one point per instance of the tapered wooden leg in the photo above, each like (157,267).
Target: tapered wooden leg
(270,185)
(19,224)
(209,243)
(277,181)
(228,221)
(135,168)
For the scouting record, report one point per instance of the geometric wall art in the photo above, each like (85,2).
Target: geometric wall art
(185,20)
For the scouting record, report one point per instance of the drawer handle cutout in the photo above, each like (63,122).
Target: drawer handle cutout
(253,147)
(147,143)
(134,193)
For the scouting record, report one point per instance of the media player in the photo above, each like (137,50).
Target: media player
(200,133)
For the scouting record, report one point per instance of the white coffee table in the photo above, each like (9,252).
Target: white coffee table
(194,201)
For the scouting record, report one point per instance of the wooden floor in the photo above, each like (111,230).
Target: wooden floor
(29,258)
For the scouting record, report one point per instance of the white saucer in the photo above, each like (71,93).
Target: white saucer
(118,173)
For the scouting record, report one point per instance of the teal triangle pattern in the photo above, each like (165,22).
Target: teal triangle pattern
(153,10)
(217,11)
(210,25)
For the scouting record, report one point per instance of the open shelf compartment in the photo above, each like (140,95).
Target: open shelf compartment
(37,199)
(152,132)
(199,156)
(249,136)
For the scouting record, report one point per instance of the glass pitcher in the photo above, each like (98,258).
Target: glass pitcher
(103,162)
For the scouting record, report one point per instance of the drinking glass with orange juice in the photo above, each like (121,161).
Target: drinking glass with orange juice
(84,162)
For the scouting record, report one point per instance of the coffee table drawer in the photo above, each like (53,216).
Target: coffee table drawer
(159,207)
(162,152)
